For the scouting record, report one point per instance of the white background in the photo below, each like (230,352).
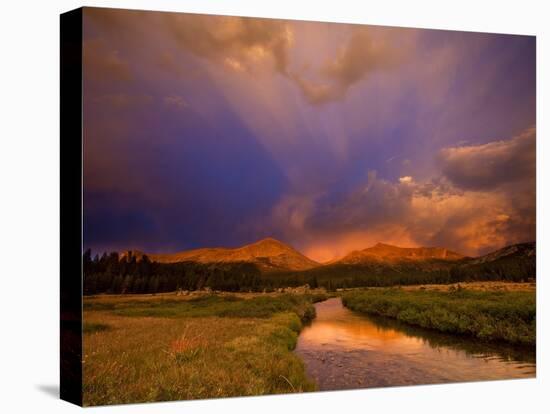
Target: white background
(29,204)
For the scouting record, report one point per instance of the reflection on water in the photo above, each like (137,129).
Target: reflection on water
(343,349)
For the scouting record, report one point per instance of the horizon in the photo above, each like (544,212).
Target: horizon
(124,251)
(205,130)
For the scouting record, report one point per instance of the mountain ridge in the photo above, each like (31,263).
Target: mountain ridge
(267,254)
(272,255)
(382,252)
(527,249)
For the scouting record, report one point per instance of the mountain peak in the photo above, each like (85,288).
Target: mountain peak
(384,246)
(268,241)
(269,254)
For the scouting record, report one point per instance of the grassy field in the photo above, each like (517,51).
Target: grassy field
(491,314)
(486,286)
(154,348)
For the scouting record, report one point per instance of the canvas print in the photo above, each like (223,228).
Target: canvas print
(276,206)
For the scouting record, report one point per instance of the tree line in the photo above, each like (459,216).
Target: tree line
(112,273)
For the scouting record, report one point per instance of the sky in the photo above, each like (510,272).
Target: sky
(209,131)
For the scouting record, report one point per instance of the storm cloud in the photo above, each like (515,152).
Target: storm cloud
(218,131)
(485,206)
(491,165)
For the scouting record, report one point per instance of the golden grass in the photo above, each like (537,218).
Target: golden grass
(486,314)
(139,359)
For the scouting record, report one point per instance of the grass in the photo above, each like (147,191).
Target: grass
(508,316)
(483,286)
(172,348)
(94,327)
(209,305)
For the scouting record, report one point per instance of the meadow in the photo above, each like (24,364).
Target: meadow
(493,314)
(140,348)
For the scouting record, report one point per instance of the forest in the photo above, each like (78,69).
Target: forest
(116,274)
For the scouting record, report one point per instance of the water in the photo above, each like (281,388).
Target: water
(345,350)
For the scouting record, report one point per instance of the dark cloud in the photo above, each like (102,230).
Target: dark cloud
(170,179)
(375,202)
(208,130)
(487,166)
(474,207)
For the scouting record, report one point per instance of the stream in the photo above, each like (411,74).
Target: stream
(343,349)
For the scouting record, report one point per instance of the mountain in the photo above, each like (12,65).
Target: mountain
(379,265)
(516,263)
(521,250)
(386,253)
(268,254)
(386,265)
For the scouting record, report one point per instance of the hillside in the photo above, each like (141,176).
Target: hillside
(521,250)
(268,254)
(385,265)
(402,265)
(516,262)
(385,253)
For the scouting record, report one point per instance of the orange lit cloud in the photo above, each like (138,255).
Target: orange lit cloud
(211,130)
(247,45)
(240,43)
(367,50)
(434,213)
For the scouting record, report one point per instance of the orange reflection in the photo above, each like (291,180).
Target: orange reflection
(360,335)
